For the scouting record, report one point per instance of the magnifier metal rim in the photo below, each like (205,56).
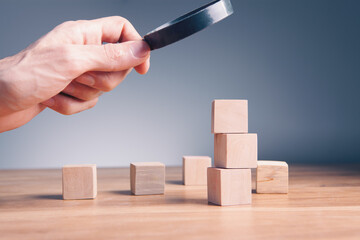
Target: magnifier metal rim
(188,24)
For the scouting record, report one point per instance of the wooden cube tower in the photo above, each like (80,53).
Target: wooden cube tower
(272,177)
(229,116)
(235,150)
(235,153)
(229,186)
(195,170)
(79,181)
(147,178)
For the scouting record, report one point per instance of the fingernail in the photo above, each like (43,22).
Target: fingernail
(49,103)
(139,49)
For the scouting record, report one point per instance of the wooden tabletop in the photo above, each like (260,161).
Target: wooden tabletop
(323,203)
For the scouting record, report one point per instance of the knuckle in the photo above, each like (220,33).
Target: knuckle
(108,83)
(120,19)
(66,24)
(81,21)
(69,59)
(113,54)
(126,22)
(69,30)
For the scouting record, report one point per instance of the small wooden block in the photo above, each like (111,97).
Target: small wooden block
(147,178)
(229,116)
(229,186)
(235,150)
(272,177)
(79,181)
(195,170)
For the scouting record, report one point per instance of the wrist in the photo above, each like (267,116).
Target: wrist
(6,65)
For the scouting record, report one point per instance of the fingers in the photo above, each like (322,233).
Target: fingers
(81,91)
(109,57)
(110,33)
(129,33)
(102,81)
(68,105)
(125,48)
(95,32)
(116,29)
(91,85)
(144,67)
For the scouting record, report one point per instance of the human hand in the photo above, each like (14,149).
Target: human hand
(68,69)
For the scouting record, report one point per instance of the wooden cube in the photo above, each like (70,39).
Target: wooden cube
(272,177)
(195,170)
(229,186)
(235,150)
(229,116)
(79,181)
(147,178)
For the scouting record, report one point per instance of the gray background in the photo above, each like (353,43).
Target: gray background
(297,62)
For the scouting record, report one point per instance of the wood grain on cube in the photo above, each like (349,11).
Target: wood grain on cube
(229,186)
(195,170)
(235,150)
(272,177)
(229,116)
(147,178)
(79,181)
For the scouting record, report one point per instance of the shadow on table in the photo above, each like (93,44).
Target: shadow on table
(122,192)
(49,196)
(175,182)
(159,199)
(186,201)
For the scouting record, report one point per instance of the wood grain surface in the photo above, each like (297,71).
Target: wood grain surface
(323,203)
(272,177)
(79,181)
(228,187)
(229,116)
(235,150)
(194,170)
(147,178)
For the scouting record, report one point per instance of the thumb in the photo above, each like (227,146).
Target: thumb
(111,56)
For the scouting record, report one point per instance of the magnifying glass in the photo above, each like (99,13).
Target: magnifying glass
(189,24)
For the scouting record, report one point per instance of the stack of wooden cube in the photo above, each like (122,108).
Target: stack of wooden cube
(235,153)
